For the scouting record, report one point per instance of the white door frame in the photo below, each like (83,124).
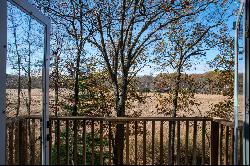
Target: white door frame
(3,51)
(246,83)
(244,14)
(38,16)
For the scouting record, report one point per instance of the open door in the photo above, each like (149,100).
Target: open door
(24,68)
(241,85)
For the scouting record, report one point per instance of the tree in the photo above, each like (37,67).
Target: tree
(72,15)
(223,64)
(124,30)
(24,58)
(55,76)
(14,51)
(185,44)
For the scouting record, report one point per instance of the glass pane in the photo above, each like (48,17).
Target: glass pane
(24,64)
(241,69)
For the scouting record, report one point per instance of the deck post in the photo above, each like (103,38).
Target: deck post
(214,143)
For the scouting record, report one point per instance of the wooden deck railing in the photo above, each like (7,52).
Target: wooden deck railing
(199,140)
(223,151)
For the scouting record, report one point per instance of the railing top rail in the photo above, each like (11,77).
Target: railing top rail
(120,119)
(227,122)
(128,119)
(13,120)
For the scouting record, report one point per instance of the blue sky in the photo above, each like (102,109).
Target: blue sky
(20,20)
(202,67)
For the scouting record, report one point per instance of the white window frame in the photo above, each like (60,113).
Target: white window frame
(38,16)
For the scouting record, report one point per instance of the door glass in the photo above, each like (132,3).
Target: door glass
(24,64)
(241,69)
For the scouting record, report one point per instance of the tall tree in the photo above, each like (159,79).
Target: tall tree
(124,31)
(183,48)
(15,55)
(185,44)
(55,75)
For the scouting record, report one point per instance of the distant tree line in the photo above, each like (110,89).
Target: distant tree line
(206,83)
(12,82)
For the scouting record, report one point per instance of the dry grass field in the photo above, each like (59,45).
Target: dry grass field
(147,109)
(206,100)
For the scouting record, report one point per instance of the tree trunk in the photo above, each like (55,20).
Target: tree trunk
(19,86)
(76,86)
(28,105)
(119,139)
(29,72)
(75,109)
(175,104)
(119,135)
(29,92)
(32,143)
(56,85)
(119,144)
(19,74)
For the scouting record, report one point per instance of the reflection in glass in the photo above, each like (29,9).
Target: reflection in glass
(24,64)
(241,69)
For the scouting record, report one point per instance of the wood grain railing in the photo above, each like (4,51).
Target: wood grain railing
(199,140)
(223,142)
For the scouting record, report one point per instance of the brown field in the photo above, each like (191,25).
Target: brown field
(147,109)
(206,101)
